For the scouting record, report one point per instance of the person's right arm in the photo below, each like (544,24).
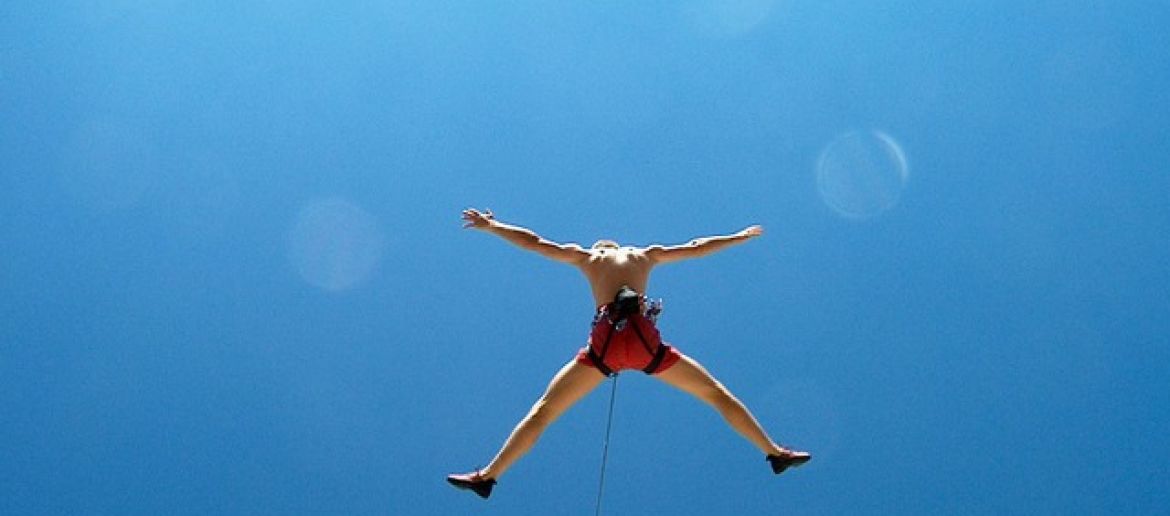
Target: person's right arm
(524,238)
(702,246)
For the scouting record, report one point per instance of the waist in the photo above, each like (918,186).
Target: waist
(647,307)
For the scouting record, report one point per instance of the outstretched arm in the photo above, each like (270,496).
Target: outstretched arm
(524,238)
(701,246)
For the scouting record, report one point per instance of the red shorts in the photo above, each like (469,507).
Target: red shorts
(626,350)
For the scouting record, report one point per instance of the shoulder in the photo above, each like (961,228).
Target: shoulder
(650,252)
(653,251)
(658,253)
(573,253)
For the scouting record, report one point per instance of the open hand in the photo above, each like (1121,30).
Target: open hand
(752,231)
(474,218)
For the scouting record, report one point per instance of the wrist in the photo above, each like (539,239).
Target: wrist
(494,227)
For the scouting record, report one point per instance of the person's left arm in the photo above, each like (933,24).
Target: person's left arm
(702,246)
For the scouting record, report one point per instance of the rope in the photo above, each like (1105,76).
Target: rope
(605,445)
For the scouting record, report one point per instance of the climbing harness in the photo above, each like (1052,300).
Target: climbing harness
(626,303)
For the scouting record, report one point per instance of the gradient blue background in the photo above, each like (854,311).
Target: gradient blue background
(997,342)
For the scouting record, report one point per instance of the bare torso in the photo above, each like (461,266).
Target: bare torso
(607,269)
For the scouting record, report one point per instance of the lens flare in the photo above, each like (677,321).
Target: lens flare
(862,174)
(335,245)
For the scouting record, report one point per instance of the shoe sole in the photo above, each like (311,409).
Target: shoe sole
(796,463)
(483,489)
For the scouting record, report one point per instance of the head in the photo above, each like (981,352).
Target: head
(605,244)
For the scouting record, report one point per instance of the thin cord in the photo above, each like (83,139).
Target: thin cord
(605,445)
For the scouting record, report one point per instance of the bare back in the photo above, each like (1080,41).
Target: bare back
(607,269)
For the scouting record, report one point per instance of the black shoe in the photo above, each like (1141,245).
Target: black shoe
(790,459)
(473,481)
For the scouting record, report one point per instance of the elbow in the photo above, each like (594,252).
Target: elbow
(530,242)
(696,248)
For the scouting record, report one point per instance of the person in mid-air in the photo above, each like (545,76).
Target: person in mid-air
(624,336)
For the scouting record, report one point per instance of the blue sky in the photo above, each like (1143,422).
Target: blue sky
(233,279)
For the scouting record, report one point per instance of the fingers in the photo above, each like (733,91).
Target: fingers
(472,212)
(475,218)
(753,231)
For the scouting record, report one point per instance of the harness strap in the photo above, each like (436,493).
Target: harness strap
(659,354)
(599,359)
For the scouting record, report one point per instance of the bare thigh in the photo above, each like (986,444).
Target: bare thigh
(570,384)
(691,377)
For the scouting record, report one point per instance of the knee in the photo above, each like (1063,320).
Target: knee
(717,395)
(542,413)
